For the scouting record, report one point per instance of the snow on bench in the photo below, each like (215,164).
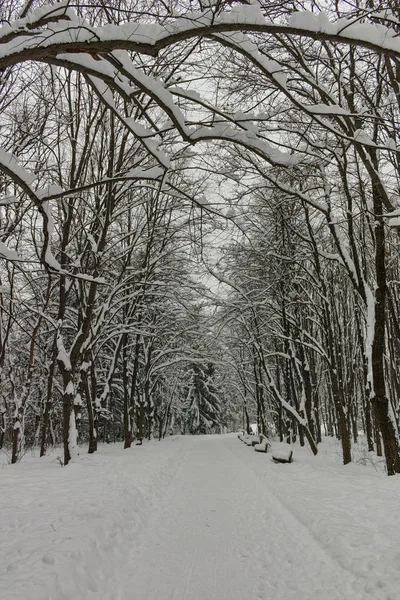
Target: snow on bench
(263,445)
(246,438)
(252,440)
(282,453)
(256,439)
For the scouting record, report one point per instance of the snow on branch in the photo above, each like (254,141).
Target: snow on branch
(38,18)
(54,192)
(249,140)
(24,179)
(11,167)
(245,137)
(70,34)
(101,54)
(41,198)
(138,130)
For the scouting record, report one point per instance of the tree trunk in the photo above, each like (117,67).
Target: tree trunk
(246,419)
(2,425)
(92,417)
(127,408)
(379,400)
(69,425)
(16,437)
(280,422)
(47,410)
(93,433)
(129,401)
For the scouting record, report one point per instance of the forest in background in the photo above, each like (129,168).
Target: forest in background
(199,222)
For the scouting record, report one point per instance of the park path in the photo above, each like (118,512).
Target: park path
(220,533)
(198,518)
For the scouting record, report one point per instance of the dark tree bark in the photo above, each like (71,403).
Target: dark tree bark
(379,399)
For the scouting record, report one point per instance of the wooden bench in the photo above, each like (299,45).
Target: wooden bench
(282,453)
(263,445)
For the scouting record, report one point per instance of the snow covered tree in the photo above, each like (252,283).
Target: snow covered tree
(308,97)
(203,411)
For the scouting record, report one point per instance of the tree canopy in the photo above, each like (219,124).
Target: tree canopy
(227,170)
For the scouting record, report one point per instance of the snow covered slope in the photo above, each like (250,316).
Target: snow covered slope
(197,518)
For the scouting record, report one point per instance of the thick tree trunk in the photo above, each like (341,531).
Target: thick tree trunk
(378,440)
(345,437)
(280,422)
(45,426)
(309,401)
(69,424)
(246,419)
(93,421)
(301,434)
(379,400)
(341,416)
(127,408)
(16,437)
(129,399)
(317,419)
(93,430)
(338,393)
(2,426)
(368,422)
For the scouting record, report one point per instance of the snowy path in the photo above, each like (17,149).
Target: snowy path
(219,533)
(198,518)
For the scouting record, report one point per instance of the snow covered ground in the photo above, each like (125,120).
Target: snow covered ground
(198,518)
